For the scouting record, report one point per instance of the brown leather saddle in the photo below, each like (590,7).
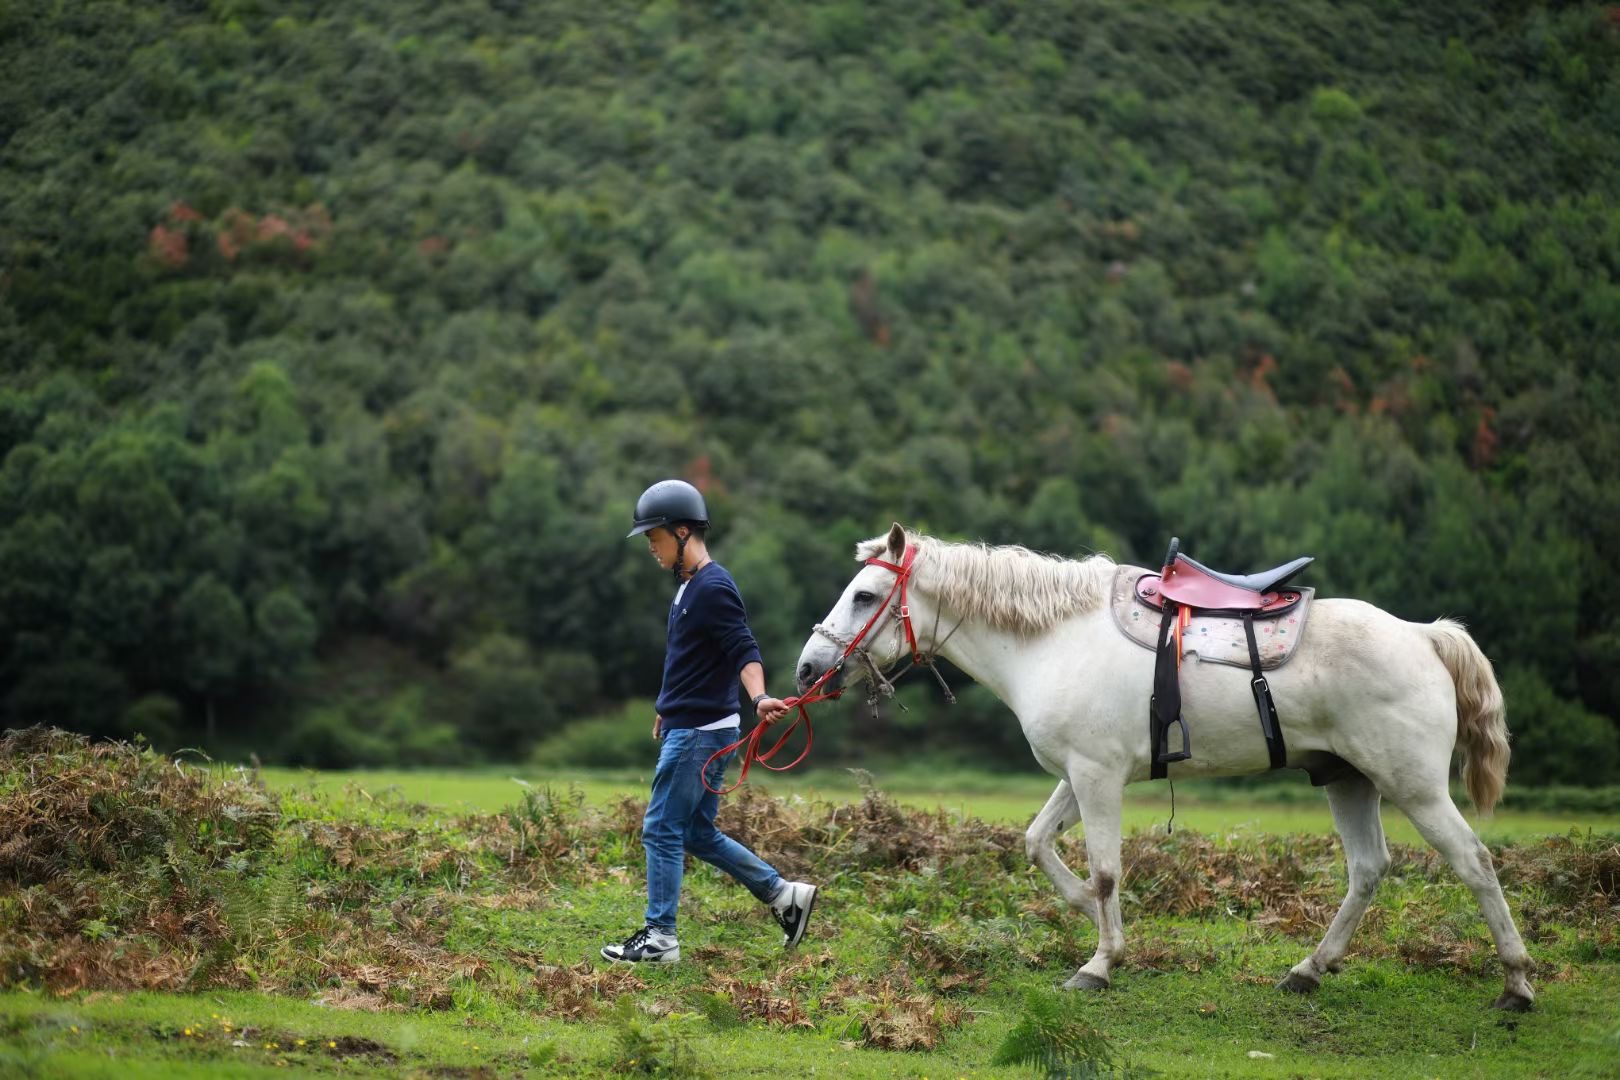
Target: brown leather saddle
(1185,587)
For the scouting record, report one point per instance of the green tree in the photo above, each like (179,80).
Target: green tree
(212,630)
(508,708)
(1555,741)
(284,632)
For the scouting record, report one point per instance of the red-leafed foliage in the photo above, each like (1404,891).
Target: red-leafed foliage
(273,227)
(1483,450)
(1260,375)
(167,246)
(700,473)
(1344,392)
(1179,375)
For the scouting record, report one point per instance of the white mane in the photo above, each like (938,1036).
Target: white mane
(1011,588)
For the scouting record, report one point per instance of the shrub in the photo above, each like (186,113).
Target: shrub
(648,1049)
(1331,105)
(1556,741)
(155,718)
(1052,1036)
(611,741)
(507,699)
(350,734)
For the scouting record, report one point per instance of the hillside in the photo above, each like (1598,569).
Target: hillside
(338,339)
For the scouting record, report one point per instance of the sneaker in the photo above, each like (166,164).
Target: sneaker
(791,906)
(648,945)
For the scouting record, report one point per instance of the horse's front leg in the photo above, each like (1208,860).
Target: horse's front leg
(1040,842)
(1100,799)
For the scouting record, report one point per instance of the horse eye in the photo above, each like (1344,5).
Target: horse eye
(864,598)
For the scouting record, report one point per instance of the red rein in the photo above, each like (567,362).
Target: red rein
(749,743)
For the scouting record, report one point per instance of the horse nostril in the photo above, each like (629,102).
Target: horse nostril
(805,671)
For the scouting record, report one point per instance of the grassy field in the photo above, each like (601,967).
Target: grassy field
(160,922)
(1010,799)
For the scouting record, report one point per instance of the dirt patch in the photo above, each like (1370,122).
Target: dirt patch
(352,1046)
(712,955)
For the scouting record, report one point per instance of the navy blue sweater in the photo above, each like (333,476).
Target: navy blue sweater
(709,645)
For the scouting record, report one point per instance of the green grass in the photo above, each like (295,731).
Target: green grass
(152,1034)
(1011,799)
(431,940)
(1378,1019)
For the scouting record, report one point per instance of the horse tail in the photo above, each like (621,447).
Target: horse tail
(1481,725)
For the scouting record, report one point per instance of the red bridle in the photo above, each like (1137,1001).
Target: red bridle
(902,575)
(750,743)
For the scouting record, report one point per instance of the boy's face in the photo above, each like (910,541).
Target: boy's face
(662,544)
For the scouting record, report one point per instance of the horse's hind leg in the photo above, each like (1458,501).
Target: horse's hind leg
(1354,802)
(1443,826)
(1040,841)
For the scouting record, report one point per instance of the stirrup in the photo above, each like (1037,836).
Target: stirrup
(1166,755)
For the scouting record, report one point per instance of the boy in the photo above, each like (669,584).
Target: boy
(710,651)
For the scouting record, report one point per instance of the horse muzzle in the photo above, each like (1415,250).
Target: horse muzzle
(807,675)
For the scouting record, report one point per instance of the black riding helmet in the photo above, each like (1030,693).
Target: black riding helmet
(669,502)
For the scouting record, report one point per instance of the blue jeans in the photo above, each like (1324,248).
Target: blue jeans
(680,818)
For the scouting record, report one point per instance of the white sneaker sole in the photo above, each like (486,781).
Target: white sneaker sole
(670,957)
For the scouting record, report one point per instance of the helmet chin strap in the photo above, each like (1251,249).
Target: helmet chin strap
(680,556)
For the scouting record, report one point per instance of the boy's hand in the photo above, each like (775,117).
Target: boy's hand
(658,722)
(771,710)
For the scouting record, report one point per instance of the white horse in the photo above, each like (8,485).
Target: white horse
(1390,698)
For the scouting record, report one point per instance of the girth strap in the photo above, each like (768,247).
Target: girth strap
(1269,725)
(1164,707)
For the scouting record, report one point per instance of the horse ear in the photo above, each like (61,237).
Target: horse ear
(897,541)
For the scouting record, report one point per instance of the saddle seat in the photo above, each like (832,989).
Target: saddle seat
(1189,582)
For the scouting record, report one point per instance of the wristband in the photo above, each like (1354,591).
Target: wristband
(757,699)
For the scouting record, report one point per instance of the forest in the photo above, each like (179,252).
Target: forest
(337,340)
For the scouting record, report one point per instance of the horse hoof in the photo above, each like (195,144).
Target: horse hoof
(1295,983)
(1084,980)
(1513,1001)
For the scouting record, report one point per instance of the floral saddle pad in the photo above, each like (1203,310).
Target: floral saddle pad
(1216,638)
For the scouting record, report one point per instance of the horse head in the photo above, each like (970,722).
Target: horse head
(869,628)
